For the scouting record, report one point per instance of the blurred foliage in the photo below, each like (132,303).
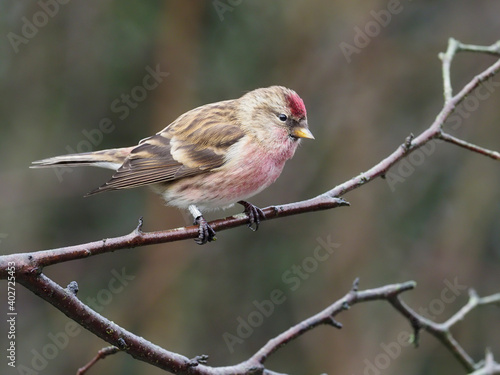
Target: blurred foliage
(441,224)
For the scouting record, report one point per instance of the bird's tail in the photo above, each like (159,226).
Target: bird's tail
(112,159)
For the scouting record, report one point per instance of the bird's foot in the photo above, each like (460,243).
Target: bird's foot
(254,213)
(205,231)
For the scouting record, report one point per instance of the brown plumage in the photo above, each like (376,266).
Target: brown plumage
(210,157)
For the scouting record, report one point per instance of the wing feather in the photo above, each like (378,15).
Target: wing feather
(197,142)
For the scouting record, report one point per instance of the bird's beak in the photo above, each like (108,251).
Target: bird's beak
(301,132)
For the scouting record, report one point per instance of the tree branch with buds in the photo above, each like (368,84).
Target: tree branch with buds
(29,266)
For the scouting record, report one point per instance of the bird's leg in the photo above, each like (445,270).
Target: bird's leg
(254,213)
(205,231)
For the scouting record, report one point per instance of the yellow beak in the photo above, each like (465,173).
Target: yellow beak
(302,133)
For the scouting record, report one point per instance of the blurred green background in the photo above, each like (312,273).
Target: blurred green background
(439,227)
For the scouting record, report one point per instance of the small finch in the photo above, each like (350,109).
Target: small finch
(211,157)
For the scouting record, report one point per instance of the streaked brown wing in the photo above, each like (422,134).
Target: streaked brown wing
(195,143)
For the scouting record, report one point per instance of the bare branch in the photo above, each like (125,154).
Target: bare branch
(139,348)
(137,237)
(442,331)
(29,265)
(327,315)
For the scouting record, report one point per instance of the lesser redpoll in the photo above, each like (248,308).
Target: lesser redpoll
(210,157)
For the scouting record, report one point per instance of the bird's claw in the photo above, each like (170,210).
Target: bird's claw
(254,213)
(205,231)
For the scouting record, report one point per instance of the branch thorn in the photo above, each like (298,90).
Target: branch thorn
(122,344)
(408,142)
(72,287)
(355,285)
(334,323)
(415,338)
(199,359)
(138,229)
(342,202)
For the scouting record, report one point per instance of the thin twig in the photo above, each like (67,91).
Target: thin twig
(101,354)
(493,49)
(469,146)
(474,301)
(455,46)
(490,367)
(446,59)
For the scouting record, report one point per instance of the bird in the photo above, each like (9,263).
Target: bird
(210,157)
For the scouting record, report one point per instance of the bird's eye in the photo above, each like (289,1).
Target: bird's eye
(282,117)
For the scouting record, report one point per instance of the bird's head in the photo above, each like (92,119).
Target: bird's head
(274,111)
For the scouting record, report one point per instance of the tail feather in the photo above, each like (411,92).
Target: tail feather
(112,159)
